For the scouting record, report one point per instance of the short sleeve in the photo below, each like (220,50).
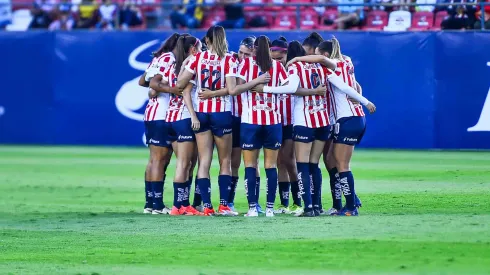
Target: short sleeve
(282,73)
(338,68)
(193,80)
(243,69)
(192,65)
(164,64)
(231,67)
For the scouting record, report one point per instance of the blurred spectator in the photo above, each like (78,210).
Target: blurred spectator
(5,13)
(40,18)
(130,16)
(379,4)
(188,15)
(46,5)
(64,21)
(87,14)
(234,14)
(108,18)
(402,4)
(426,8)
(486,17)
(65,6)
(349,16)
(461,16)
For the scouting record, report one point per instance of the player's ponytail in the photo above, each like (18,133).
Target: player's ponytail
(217,40)
(167,46)
(262,53)
(295,49)
(183,48)
(336,54)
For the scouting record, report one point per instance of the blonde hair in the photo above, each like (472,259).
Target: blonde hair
(217,37)
(336,54)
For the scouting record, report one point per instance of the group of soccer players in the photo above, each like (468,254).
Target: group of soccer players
(296,101)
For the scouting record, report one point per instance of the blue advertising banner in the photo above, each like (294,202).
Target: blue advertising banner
(431,89)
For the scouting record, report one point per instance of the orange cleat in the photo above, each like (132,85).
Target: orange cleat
(175,211)
(224,210)
(209,212)
(189,210)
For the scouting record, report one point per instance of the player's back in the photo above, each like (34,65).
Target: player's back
(340,103)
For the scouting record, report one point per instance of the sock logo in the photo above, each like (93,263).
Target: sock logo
(245,182)
(312,188)
(300,185)
(180,194)
(345,186)
(186,194)
(197,191)
(285,195)
(149,194)
(338,191)
(158,195)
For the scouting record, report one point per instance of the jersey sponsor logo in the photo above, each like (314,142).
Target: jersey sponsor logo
(184,137)
(245,145)
(131,97)
(265,99)
(278,144)
(228,130)
(263,108)
(483,124)
(154,141)
(350,139)
(282,97)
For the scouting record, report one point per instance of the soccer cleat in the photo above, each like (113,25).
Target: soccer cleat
(309,214)
(259,209)
(164,211)
(282,210)
(322,212)
(189,210)
(269,212)
(147,210)
(298,212)
(176,211)
(199,208)
(316,212)
(357,202)
(295,209)
(226,211)
(209,212)
(252,212)
(332,211)
(347,212)
(232,207)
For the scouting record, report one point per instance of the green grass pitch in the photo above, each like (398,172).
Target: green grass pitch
(74,210)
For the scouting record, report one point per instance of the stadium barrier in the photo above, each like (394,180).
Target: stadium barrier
(431,88)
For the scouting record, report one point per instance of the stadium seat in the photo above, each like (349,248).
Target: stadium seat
(285,21)
(331,15)
(299,2)
(273,5)
(309,20)
(212,19)
(267,16)
(399,21)
(440,16)
(254,8)
(422,21)
(20,20)
(376,20)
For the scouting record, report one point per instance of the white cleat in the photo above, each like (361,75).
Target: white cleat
(164,211)
(332,211)
(147,210)
(298,212)
(269,212)
(282,210)
(252,212)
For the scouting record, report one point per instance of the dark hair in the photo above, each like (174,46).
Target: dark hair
(262,53)
(204,47)
(217,37)
(184,44)
(295,49)
(248,42)
(332,47)
(167,46)
(280,44)
(313,40)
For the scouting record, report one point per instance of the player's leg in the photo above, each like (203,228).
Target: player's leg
(204,142)
(221,127)
(197,201)
(335,188)
(236,159)
(348,133)
(288,176)
(250,151)
(303,142)
(148,209)
(321,135)
(272,143)
(257,184)
(284,184)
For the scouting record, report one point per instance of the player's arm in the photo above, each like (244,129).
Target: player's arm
(142,81)
(349,91)
(243,86)
(186,94)
(325,61)
(207,93)
(289,86)
(320,90)
(358,88)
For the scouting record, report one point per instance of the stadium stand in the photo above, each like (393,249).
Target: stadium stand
(376,15)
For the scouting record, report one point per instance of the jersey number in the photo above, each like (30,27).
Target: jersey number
(315,80)
(205,76)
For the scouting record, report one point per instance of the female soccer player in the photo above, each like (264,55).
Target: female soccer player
(261,121)
(350,121)
(311,42)
(286,167)
(179,122)
(156,131)
(213,70)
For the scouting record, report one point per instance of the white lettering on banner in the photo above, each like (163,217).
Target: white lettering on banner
(483,123)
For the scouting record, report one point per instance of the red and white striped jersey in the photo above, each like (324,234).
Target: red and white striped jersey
(156,109)
(285,104)
(176,110)
(260,108)
(310,111)
(210,72)
(340,103)
(236,109)
(159,64)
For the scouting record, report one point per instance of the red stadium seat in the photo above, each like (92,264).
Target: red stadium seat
(273,7)
(299,2)
(422,21)
(254,8)
(309,20)
(285,21)
(212,18)
(331,15)
(376,20)
(267,16)
(440,16)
